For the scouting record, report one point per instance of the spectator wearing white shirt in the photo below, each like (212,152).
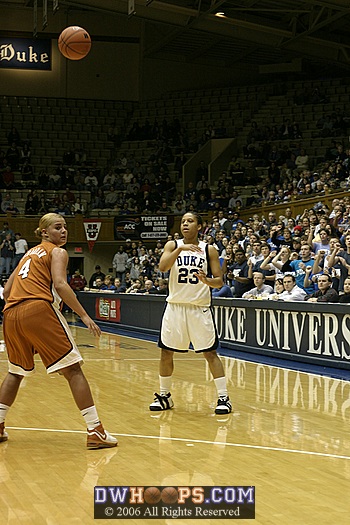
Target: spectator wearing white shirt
(91,182)
(261,289)
(221,218)
(21,246)
(292,292)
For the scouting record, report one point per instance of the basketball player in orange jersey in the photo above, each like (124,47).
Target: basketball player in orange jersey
(33,323)
(194,269)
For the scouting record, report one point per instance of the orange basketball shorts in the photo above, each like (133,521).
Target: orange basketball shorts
(35,326)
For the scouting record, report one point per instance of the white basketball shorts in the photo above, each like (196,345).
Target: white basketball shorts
(183,324)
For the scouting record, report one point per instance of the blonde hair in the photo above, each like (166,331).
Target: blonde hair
(45,221)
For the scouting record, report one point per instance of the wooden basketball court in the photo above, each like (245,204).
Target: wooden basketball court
(288,436)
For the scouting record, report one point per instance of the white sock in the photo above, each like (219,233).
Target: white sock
(3,411)
(165,385)
(221,387)
(91,417)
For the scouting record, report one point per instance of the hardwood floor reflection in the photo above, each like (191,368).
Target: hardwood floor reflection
(288,436)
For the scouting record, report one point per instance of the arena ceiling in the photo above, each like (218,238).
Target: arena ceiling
(305,36)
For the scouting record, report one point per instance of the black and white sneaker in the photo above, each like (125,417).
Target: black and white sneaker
(223,406)
(161,402)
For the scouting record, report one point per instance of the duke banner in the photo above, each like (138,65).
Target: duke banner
(25,53)
(300,330)
(144,227)
(92,229)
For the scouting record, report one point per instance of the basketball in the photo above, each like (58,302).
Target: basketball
(152,495)
(169,495)
(74,43)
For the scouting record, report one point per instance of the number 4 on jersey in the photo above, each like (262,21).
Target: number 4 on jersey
(25,268)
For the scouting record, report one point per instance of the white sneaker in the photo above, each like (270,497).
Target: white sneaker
(161,402)
(98,437)
(223,406)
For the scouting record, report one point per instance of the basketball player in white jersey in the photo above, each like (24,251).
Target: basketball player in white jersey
(194,269)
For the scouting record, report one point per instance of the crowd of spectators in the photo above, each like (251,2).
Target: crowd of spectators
(136,271)
(284,258)
(130,185)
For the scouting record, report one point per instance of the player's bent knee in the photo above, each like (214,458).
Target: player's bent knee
(71,370)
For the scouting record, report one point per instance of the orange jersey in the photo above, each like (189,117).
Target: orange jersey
(33,278)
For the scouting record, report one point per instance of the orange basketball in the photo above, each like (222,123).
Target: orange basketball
(170,495)
(152,495)
(74,43)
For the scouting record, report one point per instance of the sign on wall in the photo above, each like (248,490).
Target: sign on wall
(92,230)
(25,53)
(144,227)
(296,330)
(107,309)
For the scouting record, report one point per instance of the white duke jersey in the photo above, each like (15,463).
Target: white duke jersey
(184,286)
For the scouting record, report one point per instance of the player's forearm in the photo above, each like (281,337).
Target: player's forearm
(167,260)
(214,282)
(69,298)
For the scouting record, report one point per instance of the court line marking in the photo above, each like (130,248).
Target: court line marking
(188,440)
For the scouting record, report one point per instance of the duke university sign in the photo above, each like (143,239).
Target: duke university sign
(25,53)
(317,333)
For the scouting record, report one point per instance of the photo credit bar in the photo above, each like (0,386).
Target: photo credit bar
(154,502)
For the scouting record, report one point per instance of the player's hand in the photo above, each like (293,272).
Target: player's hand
(91,325)
(201,276)
(192,248)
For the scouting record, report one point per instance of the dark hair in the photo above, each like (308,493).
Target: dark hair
(289,275)
(328,277)
(196,215)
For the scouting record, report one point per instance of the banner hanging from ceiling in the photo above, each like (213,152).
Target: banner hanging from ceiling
(25,53)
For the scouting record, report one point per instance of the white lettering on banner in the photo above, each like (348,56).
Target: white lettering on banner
(223,319)
(319,334)
(32,56)
(346,333)
(154,235)
(275,327)
(8,52)
(259,325)
(314,325)
(286,331)
(298,330)
(229,332)
(329,341)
